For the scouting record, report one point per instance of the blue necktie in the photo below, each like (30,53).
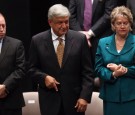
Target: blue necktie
(87,14)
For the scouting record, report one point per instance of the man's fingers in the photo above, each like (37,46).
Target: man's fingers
(76,105)
(55,86)
(57,82)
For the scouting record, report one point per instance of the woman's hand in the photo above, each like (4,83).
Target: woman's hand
(112,66)
(121,70)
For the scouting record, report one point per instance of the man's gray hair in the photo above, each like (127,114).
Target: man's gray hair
(58,10)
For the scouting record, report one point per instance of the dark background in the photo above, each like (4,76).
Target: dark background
(26,18)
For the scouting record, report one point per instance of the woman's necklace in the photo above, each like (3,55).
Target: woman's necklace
(119,42)
(120,45)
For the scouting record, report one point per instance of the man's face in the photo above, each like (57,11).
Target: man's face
(60,25)
(2,27)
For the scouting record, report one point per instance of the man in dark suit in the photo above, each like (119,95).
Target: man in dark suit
(100,22)
(12,70)
(131,6)
(122,2)
(64,88)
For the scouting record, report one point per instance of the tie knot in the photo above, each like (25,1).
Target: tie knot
(60,40)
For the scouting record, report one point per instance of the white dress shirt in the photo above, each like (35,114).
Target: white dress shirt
(56,41)
(1,41)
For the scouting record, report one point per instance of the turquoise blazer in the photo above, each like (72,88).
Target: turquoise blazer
(123,88)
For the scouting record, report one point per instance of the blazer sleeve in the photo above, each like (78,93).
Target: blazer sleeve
(15,77)
(131,67)
(100,69)
(34,67)
(87,72)
(103,22)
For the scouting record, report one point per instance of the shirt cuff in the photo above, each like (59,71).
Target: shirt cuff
(113,77)
(90,32)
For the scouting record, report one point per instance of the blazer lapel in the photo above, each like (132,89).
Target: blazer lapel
(95,2)
(68,46)
(111,47)
(5,46)
(129,44)
(50,49)
(81,7)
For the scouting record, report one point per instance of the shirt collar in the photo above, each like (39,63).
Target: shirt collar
(54,36)
(1,40)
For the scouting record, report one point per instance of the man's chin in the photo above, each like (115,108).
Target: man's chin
(1,36)
(64,32)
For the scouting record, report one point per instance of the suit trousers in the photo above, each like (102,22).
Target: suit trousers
(4,111)
(61,111)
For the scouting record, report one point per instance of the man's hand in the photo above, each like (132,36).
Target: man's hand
(51,82)
(86,33)
(3,93)
(87,36)
(81,105)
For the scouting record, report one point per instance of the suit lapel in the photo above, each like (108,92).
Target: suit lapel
(129,44)
(110,45)
(81,7)
(112,48)
(5,46)
(68,46)
(50,48)
(95,2)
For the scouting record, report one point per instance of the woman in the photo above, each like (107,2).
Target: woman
(115,65)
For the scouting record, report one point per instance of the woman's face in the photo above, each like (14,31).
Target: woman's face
(122,26)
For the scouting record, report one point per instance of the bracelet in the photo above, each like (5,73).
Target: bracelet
(114,76)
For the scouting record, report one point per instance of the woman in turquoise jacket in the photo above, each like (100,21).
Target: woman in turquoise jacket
(115,65)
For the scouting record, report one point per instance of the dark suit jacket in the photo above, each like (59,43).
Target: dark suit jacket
(11,72)
(130,4)
(101,26)
(101,10)
(75,76)
(121,89)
